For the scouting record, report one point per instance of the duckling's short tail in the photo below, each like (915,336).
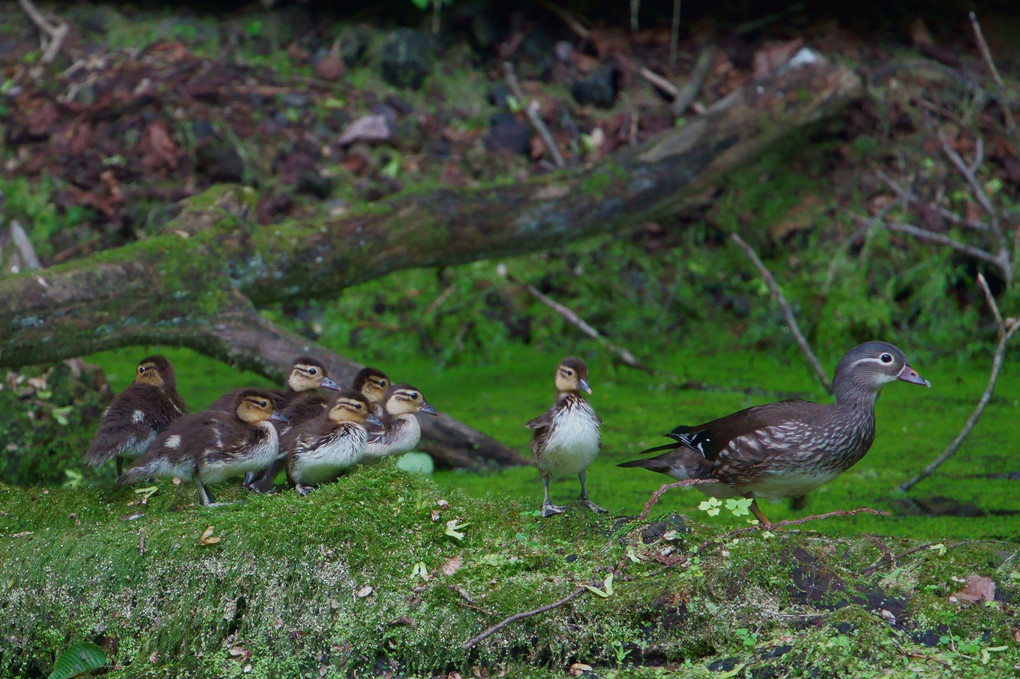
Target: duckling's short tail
(134,474)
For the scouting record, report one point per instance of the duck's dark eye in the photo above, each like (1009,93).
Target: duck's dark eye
(382,383)
(262,404)
(569,372)
(885,358)
(312,371)
(414,395)
(357,406)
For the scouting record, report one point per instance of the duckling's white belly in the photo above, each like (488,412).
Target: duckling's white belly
(328,461)
(260,456)
(401,437)
(573,442)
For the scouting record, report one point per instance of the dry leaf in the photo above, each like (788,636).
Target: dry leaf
(365,591)
(579,668)
(978,589)
(453,565)
(206,537)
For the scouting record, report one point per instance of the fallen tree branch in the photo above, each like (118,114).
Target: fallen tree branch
(662,489)
(531,108)
(1006,330)
(51,35)
(791,321)
(520,616)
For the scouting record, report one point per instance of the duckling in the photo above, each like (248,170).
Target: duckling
(306,375)
(373,383)
(212,446)
(320,449)
(566,438)
(400,431)
(137,414)
(789,448)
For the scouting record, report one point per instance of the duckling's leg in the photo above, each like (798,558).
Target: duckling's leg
(264,483)
(583,498)
(548,508)
(205,498)
(304,490)
(120,465)
(762,519)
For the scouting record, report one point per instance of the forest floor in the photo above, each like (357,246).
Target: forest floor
(143,108)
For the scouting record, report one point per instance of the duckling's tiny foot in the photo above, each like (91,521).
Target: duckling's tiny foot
(592,506)
(548,509)
(304,490)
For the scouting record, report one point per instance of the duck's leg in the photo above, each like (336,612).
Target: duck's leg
(583,498)
(120,465)
(205,498)
(264,483)
(762,519)
(548,508)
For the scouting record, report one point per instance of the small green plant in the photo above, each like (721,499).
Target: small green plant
(77,660)
(749,638)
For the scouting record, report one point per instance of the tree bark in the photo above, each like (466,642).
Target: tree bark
(190,285)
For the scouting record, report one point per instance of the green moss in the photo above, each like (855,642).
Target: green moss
(283,583)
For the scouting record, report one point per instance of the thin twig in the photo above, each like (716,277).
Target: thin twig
(520,616)
(568,18)
(467,602)
(679,484)
(531,109)
(910,197)
(791,322)
(689,91)
(1000,326)
(987,54)
(1006,331)
(24,246)
(571,317)
(51,35)
(674,33)
(940,239)
(659,81)
(813,517)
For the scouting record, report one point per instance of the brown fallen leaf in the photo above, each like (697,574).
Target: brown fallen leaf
(365,591)
(453,565)
(371,128)
(977,589)
(207,537)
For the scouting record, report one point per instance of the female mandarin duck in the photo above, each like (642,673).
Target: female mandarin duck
(137,414)
(320,449)
(788,448)
(566,438)
(212,446)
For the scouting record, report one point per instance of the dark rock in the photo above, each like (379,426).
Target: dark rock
(508,133)
(354,45)
(406,58)
(776,652)
(655,532)
(220,162)
(571,558)
(723,665)
(599,88)
(927,637)
(500,96)
(315,184)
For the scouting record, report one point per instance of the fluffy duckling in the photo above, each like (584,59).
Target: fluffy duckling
(566,438)
(137,414)
(373,383)
(306,375)
(789,448)
(400,431)
(212,446)
(320,449)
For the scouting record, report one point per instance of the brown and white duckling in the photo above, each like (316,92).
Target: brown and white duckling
(373,383)
(137,414)
(212,446)
(320,449)
(789,448)
(306,375)
(566,438)
(400,431)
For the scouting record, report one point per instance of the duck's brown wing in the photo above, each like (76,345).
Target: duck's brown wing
(131,421)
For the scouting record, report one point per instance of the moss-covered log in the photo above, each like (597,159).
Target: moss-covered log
(369,577)
(212,264)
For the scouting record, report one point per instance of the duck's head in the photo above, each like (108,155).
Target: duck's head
(868,367)
(402,399)
(156,371)
(256,405)
(352,406)
(572,376)
(308,373)
(373,383)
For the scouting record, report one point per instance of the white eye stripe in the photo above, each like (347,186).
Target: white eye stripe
(868,360)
